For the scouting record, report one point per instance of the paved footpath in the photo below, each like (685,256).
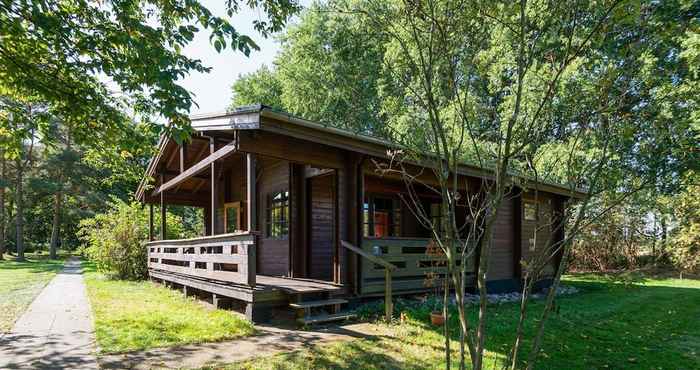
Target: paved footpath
(56,332)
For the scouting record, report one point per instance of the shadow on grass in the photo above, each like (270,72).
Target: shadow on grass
(369,354)
(613,322)
(32,265)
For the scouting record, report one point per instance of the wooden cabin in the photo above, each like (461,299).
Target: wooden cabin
(296,214)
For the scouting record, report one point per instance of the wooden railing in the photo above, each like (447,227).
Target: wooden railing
(411,259)
(227,257)
(388,268)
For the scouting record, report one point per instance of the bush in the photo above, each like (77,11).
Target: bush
(685,247)
(114,239)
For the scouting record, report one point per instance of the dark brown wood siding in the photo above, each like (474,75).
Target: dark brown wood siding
(322,228)
(273,253)
(501,259)
(532,243)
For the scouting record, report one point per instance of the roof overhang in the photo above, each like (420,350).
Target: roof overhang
(260,117)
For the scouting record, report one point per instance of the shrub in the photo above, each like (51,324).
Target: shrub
(114,239)
(685,253)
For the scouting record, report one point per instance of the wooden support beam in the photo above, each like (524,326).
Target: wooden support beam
(200,166)
(251,251)
(171,158)
(213,179)
(175,173)
(183,157)
(182,162)
(336,227)
(388,267)
(151,235)
(162,218)
(251,192)
(388,303)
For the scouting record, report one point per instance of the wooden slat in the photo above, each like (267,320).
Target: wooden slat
(236,249)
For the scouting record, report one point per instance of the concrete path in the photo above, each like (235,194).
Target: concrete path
(270,341)
(56,332)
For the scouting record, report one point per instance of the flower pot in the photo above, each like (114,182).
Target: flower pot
(437,319)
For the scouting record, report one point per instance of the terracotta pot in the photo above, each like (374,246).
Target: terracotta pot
(437,319)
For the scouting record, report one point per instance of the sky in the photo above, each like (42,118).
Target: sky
(212,91)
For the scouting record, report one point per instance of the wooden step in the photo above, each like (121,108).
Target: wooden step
(326,318)
(319,303)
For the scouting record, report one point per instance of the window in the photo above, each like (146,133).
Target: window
(530,211)
(277,214)
(381,217)
(436,216)
(232,217)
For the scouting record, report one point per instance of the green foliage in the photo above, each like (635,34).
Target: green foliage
(327,71)
(114,239)
(684,246)
(259,87)
(54,50)
(644,324)
(685,251)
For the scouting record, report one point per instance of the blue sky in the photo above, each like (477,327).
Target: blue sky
(212,91)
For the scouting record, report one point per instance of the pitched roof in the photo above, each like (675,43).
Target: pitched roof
(250,118)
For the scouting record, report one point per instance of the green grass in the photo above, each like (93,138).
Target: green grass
(632,323)
(137,315)
(20,283)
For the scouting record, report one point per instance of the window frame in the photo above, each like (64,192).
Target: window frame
(535,209)
(395,223)
(239,223)
(271,204)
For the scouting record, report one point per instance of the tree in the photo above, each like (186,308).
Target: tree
(534,92)
(259,87)
(54,50)
(597,96)
(3,185)
(327,71)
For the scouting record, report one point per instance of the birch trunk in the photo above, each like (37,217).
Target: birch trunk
(55,228)
(2,204)
(19,217)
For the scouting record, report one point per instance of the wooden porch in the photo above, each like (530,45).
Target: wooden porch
(228,261)
(225,266)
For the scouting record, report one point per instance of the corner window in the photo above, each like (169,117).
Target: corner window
(530,211)
(277,220)
(232,217)
(436,216)
(381,217)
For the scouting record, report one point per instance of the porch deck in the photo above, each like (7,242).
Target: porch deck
(268,289)
(225,265)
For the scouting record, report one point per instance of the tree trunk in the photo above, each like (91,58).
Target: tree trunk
(2,204)
(446,324)
(19,217)
(58,202)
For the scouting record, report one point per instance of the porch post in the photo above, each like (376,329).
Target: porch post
(150,222)
(336,232)
(251,192)
(162,218)
(183,157)
(213,188)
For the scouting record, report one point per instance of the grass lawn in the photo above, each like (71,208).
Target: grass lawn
(643,324)
(135,315)
(20,283)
